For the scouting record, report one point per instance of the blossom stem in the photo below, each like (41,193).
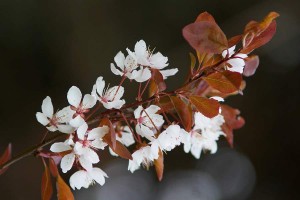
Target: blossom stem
(32,151)
(136,139)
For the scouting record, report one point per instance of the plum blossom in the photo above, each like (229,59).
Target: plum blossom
(83,150)
(55,121)
(128,67)
(78,106)
(109,97)
(145,57)
(148,121)
(84,178)
(204,134)
(143,156)
(236,63)
(170,138)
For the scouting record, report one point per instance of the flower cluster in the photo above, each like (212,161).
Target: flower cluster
(193,116)
(149,131)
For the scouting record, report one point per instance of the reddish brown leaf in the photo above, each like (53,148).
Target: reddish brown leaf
(184,112)
(63,190)
(208,107)
(193,61)
(260,40)
(232,121)
(159,80)
(166,104)
(6,156)
(258,27)
(251,65)
(46,187)
(107,122)
(226,82)
(120,149)
(53,168)
(234,40)
(205,36)
(205,16)
(159,165)
(152,88)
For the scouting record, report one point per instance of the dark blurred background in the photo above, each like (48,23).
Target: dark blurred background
(48,46)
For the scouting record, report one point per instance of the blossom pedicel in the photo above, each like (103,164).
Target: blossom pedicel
(193,115)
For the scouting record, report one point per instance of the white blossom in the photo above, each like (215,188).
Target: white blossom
(83,150)
(204,134)
(55,121)
(109,97)
(145,57)
(147,120)
(128,67)
(78,106)
(84,178)
(143,156)
(170,138)
(237,62)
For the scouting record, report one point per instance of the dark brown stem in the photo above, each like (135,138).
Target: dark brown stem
(32,151)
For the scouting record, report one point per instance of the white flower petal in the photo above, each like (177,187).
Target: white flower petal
(112,93)
(168,72)
(59,147)
(67,162)
(42,118)
(47,107)
(99,144)
(158,61)
(119,59)
(82,130)
(98,133)
(140,48)
(80,179)
(152,109)
(77,121)
(98,175)
(52,128)
(100,84)
(141,75)
(85,163)
(65,128)
(88,101)
(65,115)
(74,96)
(115,70)
(117,104)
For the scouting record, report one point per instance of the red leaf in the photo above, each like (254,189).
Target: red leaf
(260,40)
(208,107)
(234,40)
(232,121)
(257,34)
(107,122)
(159,80)
(184,112)
(6,156)
(63,190)
(205,16)
(53,168)
(226,82)
(251,65)
(120,149)
(159,165)
(205,36)
(46,187)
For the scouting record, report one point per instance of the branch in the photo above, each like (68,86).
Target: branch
(32,151)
